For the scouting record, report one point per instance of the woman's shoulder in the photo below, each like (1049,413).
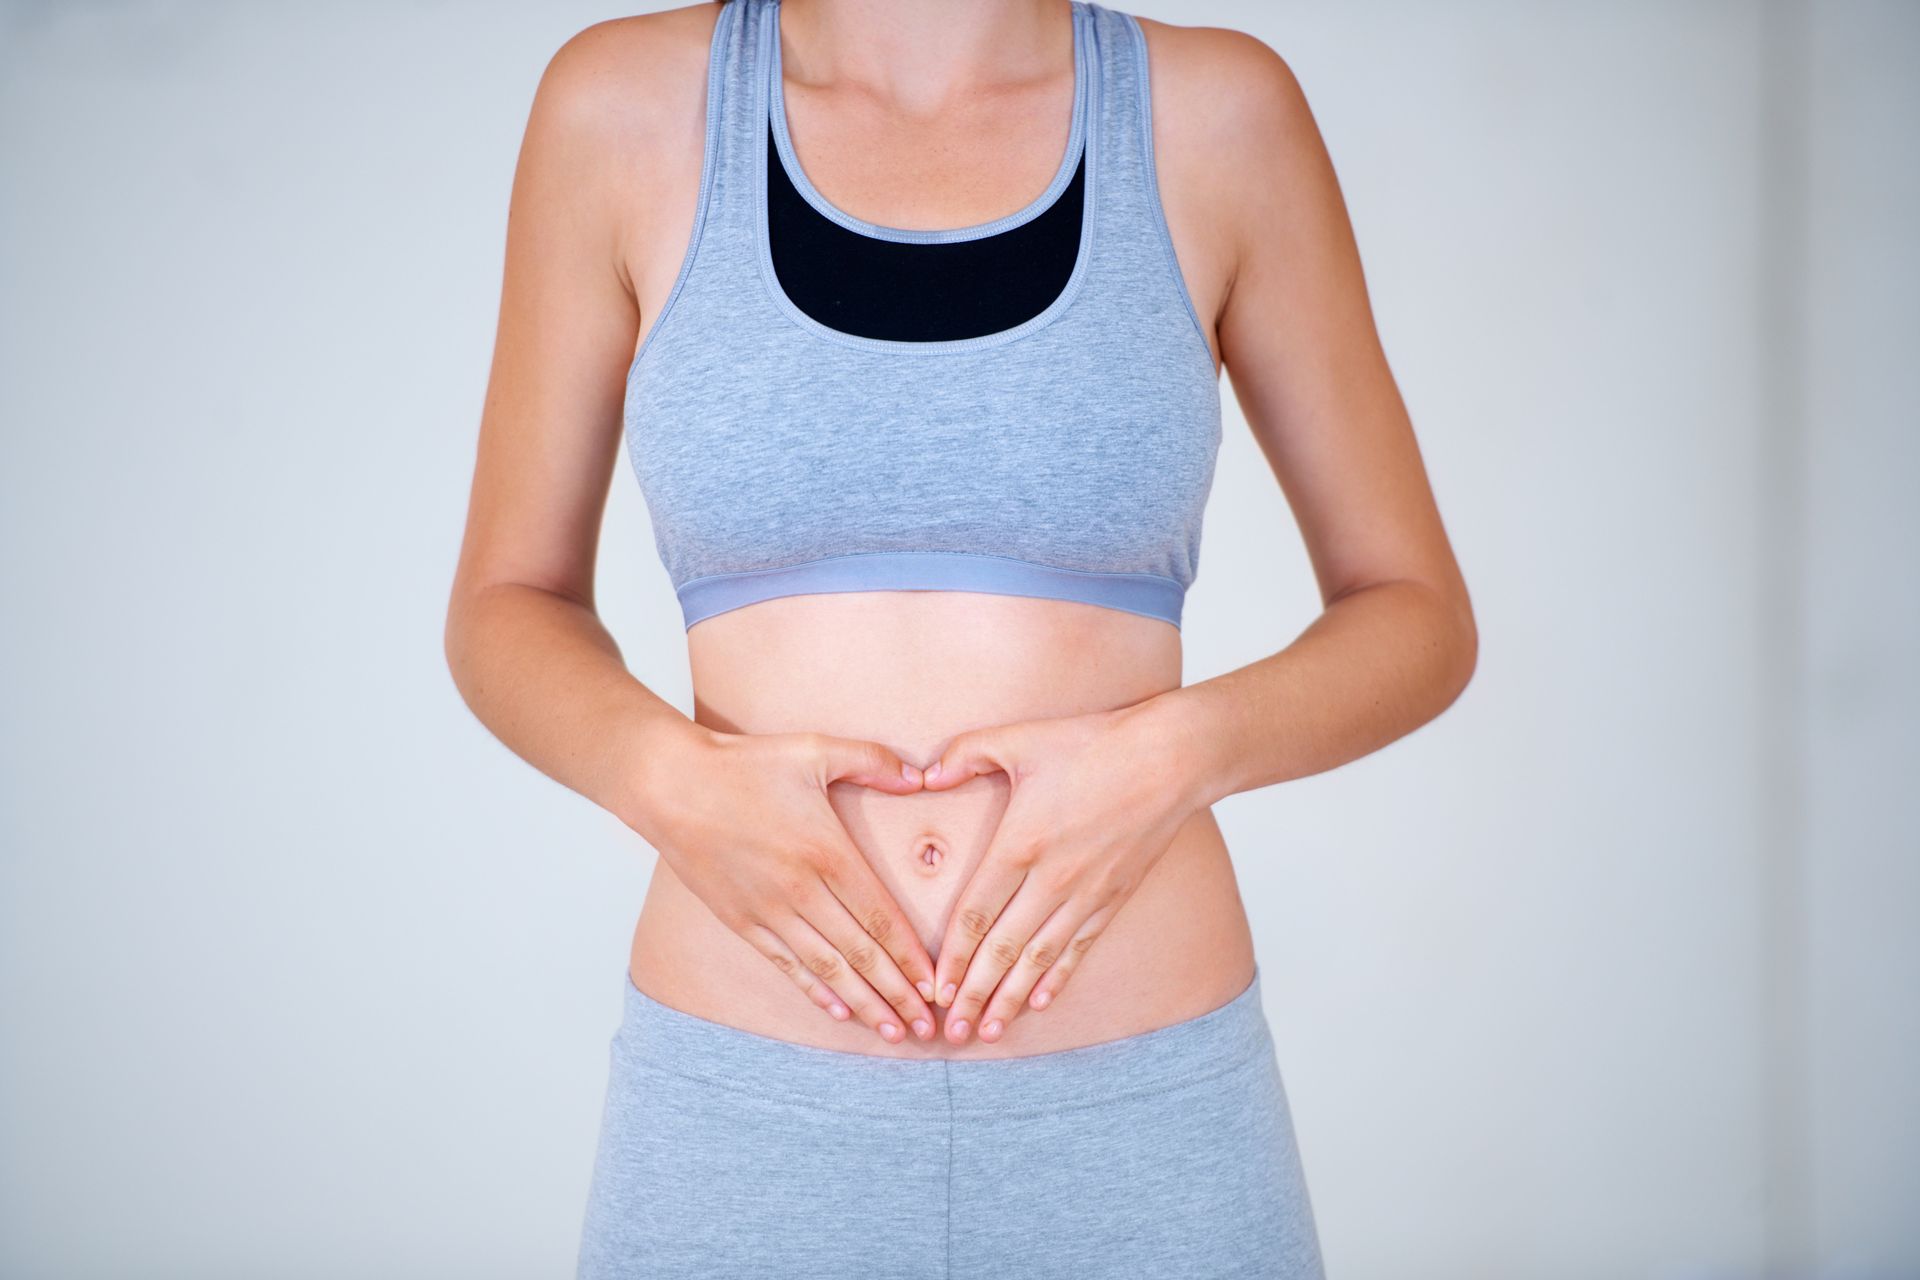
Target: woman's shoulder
(632,78)
(1240,157)
(1221,84)
(617,129)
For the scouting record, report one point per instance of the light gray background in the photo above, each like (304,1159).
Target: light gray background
(1610,972)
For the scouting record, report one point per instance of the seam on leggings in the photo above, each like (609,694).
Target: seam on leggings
(949,1076)
(810,1104)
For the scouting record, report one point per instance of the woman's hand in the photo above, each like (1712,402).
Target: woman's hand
(744,821)
(1093,805)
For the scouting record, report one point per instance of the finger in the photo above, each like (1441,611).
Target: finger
(850,876)
(971,755)
(1047,990)
(1048,944)
(867,764)
(992,885)
(774,948)
(828,964)
(868,958)
(998,952)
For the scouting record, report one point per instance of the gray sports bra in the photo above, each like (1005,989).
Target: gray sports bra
(1069,456)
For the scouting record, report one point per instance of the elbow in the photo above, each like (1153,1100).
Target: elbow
(456,641)
(1461,644)
(1439,636)
(450,645)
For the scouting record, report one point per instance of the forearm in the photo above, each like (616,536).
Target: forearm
(1377,664)
(544,675)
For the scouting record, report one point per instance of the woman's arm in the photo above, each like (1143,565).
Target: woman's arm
(1396,642)
(743,820)
(1096,800)
(524,643)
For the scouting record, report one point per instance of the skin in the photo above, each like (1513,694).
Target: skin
(923,813)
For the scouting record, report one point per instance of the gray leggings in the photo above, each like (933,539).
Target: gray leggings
(724,1153)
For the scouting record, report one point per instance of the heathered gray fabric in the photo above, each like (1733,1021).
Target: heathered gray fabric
(1084,440)
(1168,1154)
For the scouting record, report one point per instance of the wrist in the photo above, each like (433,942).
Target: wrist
(650,756)
(1179,739)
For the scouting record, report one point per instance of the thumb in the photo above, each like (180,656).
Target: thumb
(968,756)
(867,764)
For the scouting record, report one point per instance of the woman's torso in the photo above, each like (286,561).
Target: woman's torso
(728,365)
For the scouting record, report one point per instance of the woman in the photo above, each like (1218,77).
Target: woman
(911,316)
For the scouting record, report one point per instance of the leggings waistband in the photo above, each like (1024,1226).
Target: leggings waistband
(658,1037)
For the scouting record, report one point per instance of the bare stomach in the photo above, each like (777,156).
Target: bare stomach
(911,670)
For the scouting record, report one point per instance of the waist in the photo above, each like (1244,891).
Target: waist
(1180,946)
(911,670)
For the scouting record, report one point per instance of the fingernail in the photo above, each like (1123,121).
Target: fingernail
(990,1030)
(839,1011)
(957,1030)
(948,992)
(1041,999)
(922,1028)
(925,989)
(932,771)
(908,772)
(889,1032)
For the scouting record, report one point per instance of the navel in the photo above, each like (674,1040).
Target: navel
(929,852)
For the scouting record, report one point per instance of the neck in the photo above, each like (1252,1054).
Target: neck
(924,54)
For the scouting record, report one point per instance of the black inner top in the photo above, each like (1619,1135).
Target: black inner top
(904,292)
